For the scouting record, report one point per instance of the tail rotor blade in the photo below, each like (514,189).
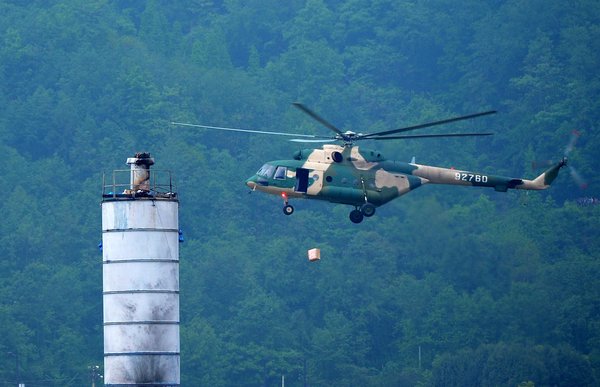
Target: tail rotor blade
(571,145)
(537,164)
(579,180)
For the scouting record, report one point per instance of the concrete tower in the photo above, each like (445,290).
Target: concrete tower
(140,248)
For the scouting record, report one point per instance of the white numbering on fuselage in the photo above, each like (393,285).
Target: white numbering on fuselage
(470,177)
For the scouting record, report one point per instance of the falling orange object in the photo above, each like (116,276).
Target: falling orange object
(314,254)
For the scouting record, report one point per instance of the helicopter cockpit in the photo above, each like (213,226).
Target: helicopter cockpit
(269,171)
(266,171)
(280,173)
(281,176)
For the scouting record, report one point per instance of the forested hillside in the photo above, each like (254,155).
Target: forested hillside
(446,286)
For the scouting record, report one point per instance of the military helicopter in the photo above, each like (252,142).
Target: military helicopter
(363,178)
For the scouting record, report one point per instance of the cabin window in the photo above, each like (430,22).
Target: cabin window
(266,171)
(280,173)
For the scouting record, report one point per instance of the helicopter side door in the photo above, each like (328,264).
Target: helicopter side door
(301,180)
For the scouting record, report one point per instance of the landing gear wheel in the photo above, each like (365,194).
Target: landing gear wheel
(367,210)
(356,216)
(288,209)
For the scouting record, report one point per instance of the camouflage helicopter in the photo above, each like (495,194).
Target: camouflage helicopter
(363,178)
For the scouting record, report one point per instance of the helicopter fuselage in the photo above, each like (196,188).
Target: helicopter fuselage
(354,176)
(364,178)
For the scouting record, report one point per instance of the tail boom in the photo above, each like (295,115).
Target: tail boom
(436,175)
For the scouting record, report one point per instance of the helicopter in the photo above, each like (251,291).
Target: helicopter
(348,174)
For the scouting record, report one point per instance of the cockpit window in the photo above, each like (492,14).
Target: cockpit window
(280,173)
(266,171)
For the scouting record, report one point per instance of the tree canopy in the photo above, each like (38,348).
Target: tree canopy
(445,286)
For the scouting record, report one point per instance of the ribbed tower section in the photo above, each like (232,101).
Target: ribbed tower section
(140,248)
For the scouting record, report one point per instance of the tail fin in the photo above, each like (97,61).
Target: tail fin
(544,180)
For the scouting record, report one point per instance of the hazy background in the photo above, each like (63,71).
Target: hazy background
(490,288)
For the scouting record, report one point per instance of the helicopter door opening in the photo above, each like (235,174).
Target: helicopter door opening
(301,180)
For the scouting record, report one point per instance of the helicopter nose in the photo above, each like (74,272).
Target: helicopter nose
(251,183)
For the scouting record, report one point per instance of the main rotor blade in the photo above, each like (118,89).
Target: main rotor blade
(409,136)
(428,124)
(312,141)
(317,117)
(249,131)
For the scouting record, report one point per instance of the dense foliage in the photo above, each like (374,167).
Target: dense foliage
(446,286)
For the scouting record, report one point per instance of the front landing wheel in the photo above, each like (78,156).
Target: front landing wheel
(288,209)
(356,216)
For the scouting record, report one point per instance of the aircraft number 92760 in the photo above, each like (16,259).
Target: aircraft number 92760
(471,177)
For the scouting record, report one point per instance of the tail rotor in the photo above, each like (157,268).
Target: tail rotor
(576,176)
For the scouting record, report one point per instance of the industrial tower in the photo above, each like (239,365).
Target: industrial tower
(140,249)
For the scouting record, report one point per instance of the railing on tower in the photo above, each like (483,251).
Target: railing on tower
(118,185)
